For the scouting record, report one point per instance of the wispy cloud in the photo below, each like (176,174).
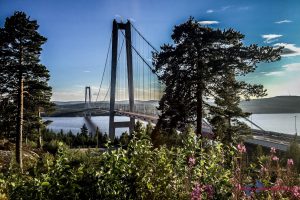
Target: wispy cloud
(86,71)
(269,38)
(118,17)
(228,7)
(275,73)
(289,49)
(244,8)
(225,8)
(283,21)
(208,22)
(132,20)
(292,67)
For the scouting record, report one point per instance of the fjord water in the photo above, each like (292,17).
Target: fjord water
(75,123)
(282,123)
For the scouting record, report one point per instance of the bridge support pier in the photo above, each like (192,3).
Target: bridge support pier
(88,99)
(112,124)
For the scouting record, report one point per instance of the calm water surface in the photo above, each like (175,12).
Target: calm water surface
(75,123)
(282,123)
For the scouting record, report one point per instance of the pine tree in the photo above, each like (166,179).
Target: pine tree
(24,78)
(195,66)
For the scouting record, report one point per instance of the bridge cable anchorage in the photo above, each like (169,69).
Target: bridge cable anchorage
(144,60)
(144,38)
(104,68)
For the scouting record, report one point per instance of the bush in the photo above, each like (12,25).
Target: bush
(52,146)
(194,170)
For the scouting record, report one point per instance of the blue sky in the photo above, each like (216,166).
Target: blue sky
(78,34)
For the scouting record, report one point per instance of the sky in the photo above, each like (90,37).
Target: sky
(79,31)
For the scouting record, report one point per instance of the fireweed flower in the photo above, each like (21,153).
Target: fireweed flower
(273,150)
(290,162)
(241,148)
(209,191)
(263,169)
(238,186)
(192,161)
(275,158)
(196,193)
(296,191)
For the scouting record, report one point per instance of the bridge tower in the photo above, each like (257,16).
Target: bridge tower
(88,99)
(112,124)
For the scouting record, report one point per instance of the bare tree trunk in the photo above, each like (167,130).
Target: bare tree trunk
(199,100)
(199,112)
(40,140)
(19,150)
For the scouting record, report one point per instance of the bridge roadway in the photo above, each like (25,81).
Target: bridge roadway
(264,138)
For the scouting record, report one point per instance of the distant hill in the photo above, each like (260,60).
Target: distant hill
(279,104)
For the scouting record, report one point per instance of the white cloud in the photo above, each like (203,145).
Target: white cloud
(244,8)
(269,38)
(289,49)
(292,67)
(275,73)
(210,11)
(225,8)
(208,22)
(118,17)
(86,71)
(283,21)
(132,20)
(289,87)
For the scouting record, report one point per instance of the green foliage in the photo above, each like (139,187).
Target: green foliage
(202,63)
(139,171)
(82,139)
(20,50)
(294,153)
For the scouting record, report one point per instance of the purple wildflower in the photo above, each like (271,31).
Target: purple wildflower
(275,158)
(241,148)
(296,191)
(273,150)
(290,162)
(192,161)
(263,169)
(196,193)
(209,191)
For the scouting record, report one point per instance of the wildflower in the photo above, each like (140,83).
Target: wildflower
(196,193)
(275,158)
(263,169)
(290,162)
(238,186)
(279,182)
(192,161)
(296,191)
(273,150)
(210,191)
(241,148)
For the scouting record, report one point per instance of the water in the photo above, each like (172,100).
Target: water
(282,123)
(75,123)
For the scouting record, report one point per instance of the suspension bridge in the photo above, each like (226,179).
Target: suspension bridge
(130,87)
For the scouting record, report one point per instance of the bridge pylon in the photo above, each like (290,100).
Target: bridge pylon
(112,124)
(87,101)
